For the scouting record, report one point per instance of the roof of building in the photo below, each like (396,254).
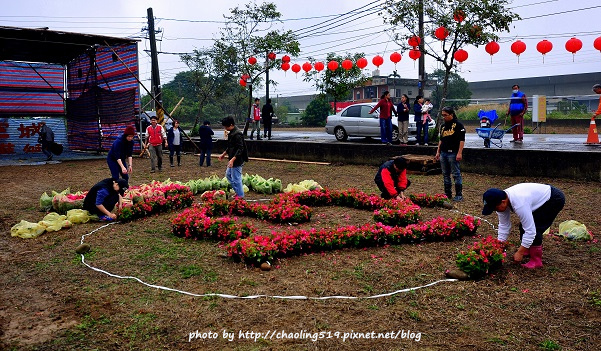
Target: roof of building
(43,45)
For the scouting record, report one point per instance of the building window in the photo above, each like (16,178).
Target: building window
(358,96)
(409,92)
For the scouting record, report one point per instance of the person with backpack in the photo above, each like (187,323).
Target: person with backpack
(46,138)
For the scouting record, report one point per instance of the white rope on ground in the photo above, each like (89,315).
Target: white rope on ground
(299,297)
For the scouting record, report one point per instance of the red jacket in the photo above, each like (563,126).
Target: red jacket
(256,113)
(390,179)
(386,108)
(155,135)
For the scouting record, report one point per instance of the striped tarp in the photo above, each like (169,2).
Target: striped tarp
(19,136)
(23,91)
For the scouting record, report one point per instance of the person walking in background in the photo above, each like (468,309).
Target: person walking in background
(537,206)
(417,112)
(206,142)
(518,106)
(256,120)
(597,90)
(402,110)
(237,154)
(119,158)
(392,180)
(386,110)
(175,138)
(267,113)
(450,152)
(155,135)
(46,138)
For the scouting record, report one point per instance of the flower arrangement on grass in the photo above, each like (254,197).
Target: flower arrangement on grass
(261,248)
(164,198)
(396,222)
(480,258)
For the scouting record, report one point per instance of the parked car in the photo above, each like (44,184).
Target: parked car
(355,121)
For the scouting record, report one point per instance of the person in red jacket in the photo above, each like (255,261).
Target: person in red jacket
(392,180)
(386,107)
(155,134)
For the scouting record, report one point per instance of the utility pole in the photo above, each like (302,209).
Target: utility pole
(266,77)
(422,59)
(156,82)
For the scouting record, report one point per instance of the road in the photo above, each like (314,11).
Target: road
(558,142)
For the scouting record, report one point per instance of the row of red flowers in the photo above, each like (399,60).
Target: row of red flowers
(396,222)
(168,197)
(482,257)
(261,248)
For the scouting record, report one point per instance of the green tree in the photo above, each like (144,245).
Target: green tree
(458,88)
(338,84)
(317,111)
(249,32)
(468,22)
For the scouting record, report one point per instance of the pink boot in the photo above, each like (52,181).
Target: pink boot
(536,257)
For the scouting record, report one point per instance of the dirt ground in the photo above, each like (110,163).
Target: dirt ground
(51,301)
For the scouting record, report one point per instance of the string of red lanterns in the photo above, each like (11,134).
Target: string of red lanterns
(573,45)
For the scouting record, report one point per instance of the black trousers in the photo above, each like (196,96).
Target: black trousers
(546,214)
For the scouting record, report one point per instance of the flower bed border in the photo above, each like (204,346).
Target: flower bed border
(397,222)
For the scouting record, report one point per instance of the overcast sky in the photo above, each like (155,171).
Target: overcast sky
(190,24)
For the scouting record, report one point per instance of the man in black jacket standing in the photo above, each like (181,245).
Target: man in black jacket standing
(267,113)
(237,154)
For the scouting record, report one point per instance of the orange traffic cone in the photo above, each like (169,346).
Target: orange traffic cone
(593,137)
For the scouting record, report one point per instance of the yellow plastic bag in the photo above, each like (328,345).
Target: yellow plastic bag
(27,230)
(574,230)
(54,222)
(78,216)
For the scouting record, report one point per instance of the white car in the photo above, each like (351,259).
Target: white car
(355,121)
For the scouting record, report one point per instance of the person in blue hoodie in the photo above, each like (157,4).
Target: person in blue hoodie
(119,158)
(518,106)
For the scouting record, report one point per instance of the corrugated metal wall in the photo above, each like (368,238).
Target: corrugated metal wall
(19,136)
(23,91)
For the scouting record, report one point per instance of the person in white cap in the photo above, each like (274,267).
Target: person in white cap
(537,206)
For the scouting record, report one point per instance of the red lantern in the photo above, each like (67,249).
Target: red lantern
(414,41)
(414,54)
(271,56)
(460,55)
(347,64)
(252,60)
(285,66)
(395,57)
(307,67)
(597,44)
(319,66)
(296,68)
(378,61)
(285,58)
(459,16)
(544,47)
(573,45)
(333,65)
(245,77)
(361,63)
(492,48)
(242,82)
(441,33)
(518,47)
